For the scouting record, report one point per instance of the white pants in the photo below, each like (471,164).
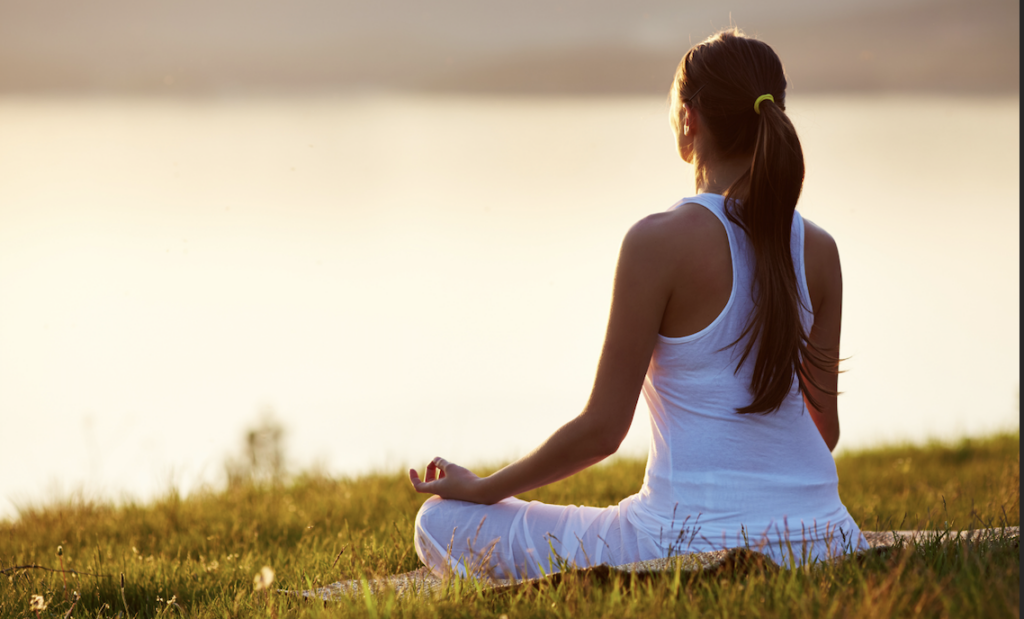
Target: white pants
(516,539)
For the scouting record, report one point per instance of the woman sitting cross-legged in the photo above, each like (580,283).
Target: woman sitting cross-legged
(726,316)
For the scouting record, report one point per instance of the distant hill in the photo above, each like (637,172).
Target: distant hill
(527,46)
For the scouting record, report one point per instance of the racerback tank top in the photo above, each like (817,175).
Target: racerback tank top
(718,479)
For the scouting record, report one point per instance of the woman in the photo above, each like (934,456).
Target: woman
(726,314)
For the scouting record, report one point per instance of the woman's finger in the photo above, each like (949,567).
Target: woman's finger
(414,477)
(426,487)
(441,464)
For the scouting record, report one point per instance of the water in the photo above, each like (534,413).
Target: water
(403,276)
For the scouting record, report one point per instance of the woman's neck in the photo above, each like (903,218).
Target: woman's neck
(717,175)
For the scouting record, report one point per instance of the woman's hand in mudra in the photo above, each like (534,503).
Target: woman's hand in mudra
(449,481)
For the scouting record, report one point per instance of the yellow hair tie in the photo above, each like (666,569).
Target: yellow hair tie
(757,103)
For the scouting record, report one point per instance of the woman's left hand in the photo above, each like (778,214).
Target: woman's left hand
(449,481)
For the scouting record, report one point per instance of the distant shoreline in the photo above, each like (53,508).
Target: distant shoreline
(196,49)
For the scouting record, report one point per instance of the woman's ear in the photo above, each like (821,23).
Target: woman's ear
(689,121)
(686,133)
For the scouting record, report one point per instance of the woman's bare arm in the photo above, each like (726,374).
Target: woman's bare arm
(825,282)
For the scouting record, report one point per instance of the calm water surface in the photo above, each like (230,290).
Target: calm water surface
(399,277)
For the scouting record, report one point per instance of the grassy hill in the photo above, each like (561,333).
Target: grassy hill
(203,551)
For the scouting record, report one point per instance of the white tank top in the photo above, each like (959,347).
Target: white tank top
(718,479)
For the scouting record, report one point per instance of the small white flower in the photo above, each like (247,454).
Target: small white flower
(264,578)
(37,603)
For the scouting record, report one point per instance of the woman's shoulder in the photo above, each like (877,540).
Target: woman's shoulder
(819,246)
(686,249)
(687,227)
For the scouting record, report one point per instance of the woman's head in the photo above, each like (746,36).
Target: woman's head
(716,87)
(720,78)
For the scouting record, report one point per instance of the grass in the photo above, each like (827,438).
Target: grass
(204,551)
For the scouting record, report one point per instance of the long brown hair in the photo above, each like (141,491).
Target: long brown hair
(722,77)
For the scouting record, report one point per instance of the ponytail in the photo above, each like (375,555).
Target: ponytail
(744,108)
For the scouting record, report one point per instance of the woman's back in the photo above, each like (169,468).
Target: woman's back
(716,478)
